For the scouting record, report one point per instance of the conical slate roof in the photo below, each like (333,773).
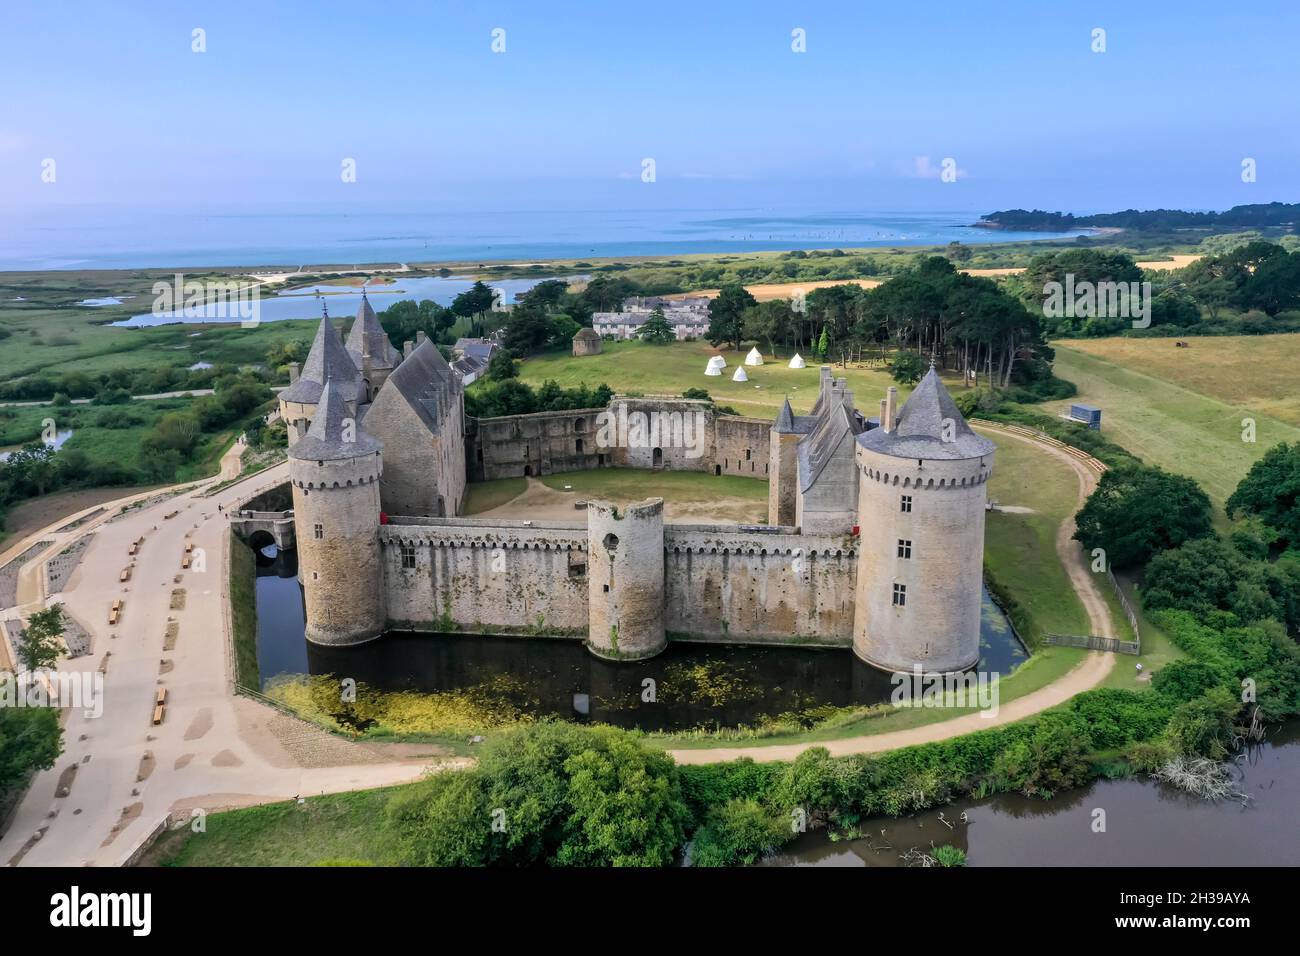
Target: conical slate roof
(920,431)
(785,420)
(334,434)
(366,330)
(328,359)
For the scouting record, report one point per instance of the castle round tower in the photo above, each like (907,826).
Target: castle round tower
(625,574)
(334,471)
(921,500)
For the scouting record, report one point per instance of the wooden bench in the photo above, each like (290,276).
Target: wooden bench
(126,574)
(161,697)
(158,711)
(115,612)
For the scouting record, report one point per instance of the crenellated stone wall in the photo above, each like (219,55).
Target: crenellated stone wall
(727,584)
(501,577)
(719,583)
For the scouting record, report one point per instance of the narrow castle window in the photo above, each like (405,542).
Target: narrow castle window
(904,548)
(906,504)
(578,446)
(408,556)
(319,531)
(748,453)
(900,595)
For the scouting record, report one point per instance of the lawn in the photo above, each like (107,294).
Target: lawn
(1020,549)
(243,612)
(333,828)
(693,496)
(1169,424)
(637,368)
(485,495)
(637,484)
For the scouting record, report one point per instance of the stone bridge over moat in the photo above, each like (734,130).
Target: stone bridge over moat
(252,525)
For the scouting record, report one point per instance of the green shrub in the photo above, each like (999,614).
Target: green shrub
(739,831)
(550,793)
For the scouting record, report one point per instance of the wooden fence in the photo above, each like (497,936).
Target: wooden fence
(1093,643)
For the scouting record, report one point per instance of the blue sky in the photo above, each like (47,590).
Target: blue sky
(711,91)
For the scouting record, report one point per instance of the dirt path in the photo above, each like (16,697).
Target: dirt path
(1087,674)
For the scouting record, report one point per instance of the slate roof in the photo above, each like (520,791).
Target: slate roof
(918,433)
(326,438)
(818,449)
(427,383)
(366,329)
(328,359)
(785,420)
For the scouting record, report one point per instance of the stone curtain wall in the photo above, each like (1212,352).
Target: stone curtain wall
(754,587)
(487,576)
(720,584)
(742,446)
(549,443)
(540,444)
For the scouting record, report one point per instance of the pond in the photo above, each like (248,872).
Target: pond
(57,442)
(1146,824)
(691,684)
(342,301)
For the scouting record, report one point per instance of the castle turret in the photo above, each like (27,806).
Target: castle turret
(783,469)
(328,359)
(625,574)
(921,499)
(334,470)
(370,349)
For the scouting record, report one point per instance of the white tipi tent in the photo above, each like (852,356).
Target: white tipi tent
(755,357)
(712,369)
(797,361)
(740,375)
(717,361)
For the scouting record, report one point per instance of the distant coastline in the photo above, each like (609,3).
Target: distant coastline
(1274,216)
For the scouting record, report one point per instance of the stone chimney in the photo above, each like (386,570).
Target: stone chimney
(407,348)
(884,415)
(419,337)
(891,407)
(293,372)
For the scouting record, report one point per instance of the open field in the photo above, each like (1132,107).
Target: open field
(638,368)
(1168,424)
(1256,372)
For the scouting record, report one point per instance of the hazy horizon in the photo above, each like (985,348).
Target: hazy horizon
(282,97)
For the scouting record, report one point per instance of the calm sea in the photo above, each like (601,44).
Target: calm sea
(117,237)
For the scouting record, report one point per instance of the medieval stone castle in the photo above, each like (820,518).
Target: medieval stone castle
(875,536)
